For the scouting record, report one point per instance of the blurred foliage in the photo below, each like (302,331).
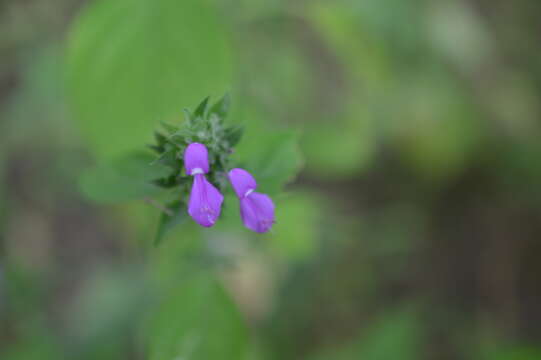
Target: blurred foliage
(396,336)
(412,231)
(197,320)
(292,242)
(128,178)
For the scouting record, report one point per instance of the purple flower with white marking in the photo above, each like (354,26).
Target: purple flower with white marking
(256,209)
(205,200)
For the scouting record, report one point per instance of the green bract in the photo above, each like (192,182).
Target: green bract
(206,126)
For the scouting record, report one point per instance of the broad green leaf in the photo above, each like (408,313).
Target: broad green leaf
(126,179)
(133,63)
(196,321)
(273,157)
(141,166)
(168,221)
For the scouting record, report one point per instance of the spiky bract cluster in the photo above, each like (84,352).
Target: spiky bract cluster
(205,125)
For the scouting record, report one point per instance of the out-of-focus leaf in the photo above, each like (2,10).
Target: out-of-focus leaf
(395,336)
(337,150)
(134,63)
(196,321)
(167,222)
(234,134)
(296,230)
(126,179)
(274,159)
(140,165)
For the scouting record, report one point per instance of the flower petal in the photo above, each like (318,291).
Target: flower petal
(242,181)
(257,212)
(205,201)
(196,157)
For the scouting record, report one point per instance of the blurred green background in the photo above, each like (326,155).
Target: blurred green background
(398,138)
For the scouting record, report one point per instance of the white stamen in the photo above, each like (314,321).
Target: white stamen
(248,192)
(197,171)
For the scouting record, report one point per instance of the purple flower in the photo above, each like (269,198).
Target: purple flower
(256,209)
(205,200)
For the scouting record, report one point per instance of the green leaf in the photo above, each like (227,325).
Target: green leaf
(171,129)
(134,63)
(155,148)
(196,321)
(233,134)
(168,157)
(168,222)
(201,108)
(140,167)
(221,108)
(187,114)
(274,159)
(125,179)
